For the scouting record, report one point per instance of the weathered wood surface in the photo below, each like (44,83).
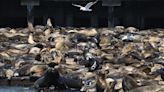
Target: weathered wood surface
(16,81)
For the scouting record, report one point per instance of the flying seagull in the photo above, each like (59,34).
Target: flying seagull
(87,6)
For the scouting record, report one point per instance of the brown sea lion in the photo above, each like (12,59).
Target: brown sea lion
(129,83)
(131,29)
(60,44)
(119,29)
(38,70)
(90,32)
(30,27)
(31,39)
(9,73)
(104,84)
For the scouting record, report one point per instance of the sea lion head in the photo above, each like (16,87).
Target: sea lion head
(52,73)
(119,29)
(131,29)
(49,22)
(9,73)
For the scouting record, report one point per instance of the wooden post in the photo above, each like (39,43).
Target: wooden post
(110,16)
(30,17)
(30,9)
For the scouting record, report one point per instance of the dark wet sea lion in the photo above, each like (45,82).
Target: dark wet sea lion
(53,78)
(39,45)
(38,57)
(71,83)
(50,78)
(90,62)
(129,83)
(79,38)
(136,55)
(24,70)
(161,72)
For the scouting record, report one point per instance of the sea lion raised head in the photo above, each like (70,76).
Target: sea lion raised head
(30,26)
(49,22)
(31,39)
(120,29)
(131,29)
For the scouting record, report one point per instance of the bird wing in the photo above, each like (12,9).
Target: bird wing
(77,5)
(90,4)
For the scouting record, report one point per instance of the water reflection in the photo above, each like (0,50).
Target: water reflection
(15,89)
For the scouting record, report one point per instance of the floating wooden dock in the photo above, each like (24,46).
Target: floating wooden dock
(28,82)
(16,81)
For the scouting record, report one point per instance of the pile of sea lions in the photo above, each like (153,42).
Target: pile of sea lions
(84,59)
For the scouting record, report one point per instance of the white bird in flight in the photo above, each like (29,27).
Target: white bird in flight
(87,6)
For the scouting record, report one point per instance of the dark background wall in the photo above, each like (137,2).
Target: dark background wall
(142,14)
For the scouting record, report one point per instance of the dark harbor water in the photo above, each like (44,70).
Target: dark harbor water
(15,89)
(27,89)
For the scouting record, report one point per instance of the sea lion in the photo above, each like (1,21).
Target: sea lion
(104,41)
(49,28)
(161,72)
(90,86)
(104,84)
(20,46)
(30,27)
(9,74)
(36,49)
(13,31)
(91,62)
(31,39)
(76,38)
(60,44)
(23,70)
(119,29)
(88,32)
(50,78)
(38,70)
(129,83)
(131,29)
(149,88)
(49,22)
